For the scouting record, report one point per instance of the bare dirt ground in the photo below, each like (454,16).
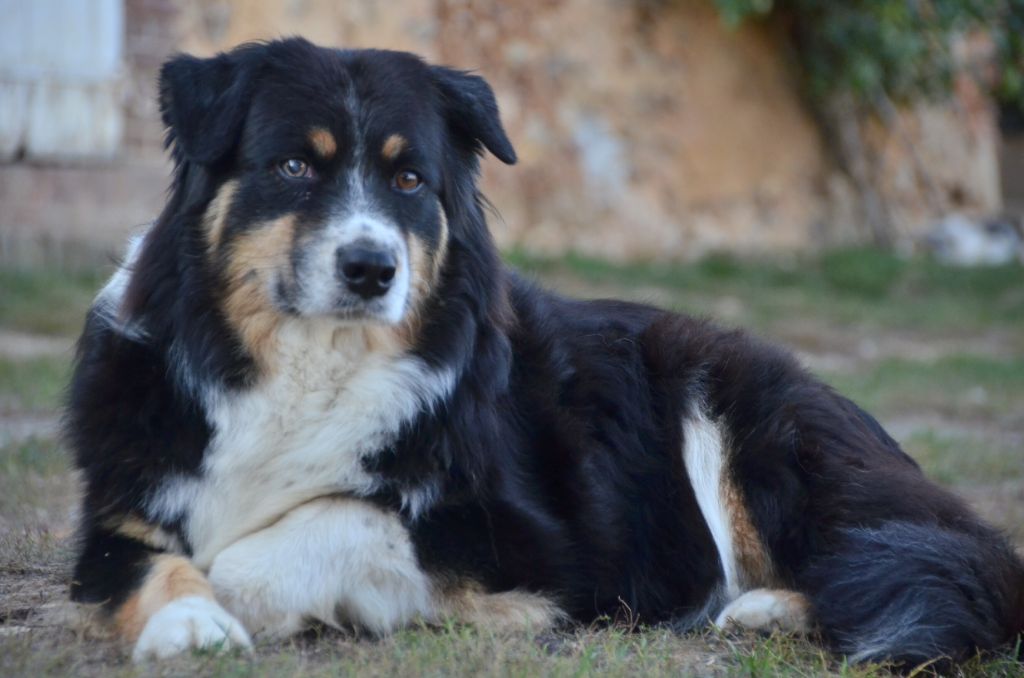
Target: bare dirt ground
(942,367)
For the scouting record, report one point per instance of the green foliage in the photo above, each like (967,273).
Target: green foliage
(900,49)
(1009,41)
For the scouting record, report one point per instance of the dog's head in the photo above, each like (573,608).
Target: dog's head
(325,179)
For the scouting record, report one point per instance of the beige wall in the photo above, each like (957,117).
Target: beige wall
(638,136)
(645,134)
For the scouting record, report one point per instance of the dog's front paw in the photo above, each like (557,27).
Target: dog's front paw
(192,622)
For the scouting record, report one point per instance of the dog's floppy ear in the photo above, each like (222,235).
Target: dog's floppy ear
(472,111)
(203,102)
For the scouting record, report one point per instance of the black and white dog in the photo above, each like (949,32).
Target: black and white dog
(313,394)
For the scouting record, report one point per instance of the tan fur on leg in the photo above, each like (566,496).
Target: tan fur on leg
(169,578)
(506,611)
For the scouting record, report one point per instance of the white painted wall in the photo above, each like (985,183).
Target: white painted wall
(61,74)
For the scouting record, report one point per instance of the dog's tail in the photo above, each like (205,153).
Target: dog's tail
(912,594)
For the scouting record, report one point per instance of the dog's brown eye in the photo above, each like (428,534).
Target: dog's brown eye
(407,181)
(293,168)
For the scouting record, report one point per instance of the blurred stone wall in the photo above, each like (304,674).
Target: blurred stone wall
(152,35)
(639,135)
(645,128)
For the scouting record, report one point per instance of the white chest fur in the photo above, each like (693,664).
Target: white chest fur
(301,433)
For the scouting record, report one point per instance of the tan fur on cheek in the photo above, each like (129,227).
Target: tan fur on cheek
(323,142)
(216,215)
(421,283)
(441,253)
(393,146)
(393,340)
(421,273)
(426,265)
(424,276)
(169,578)
(256,257)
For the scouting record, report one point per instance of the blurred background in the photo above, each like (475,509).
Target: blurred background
(647,129)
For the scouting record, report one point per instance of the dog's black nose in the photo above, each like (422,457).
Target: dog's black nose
(366,271)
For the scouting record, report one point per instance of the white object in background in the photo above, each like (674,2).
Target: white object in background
(61,77)
(960,241)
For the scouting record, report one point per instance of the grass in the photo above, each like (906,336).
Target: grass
(958,385)
(41,456)
(952,458)
(945,368)
(461,651)
(37,488)
(47,301)
(863,288)
(33,385)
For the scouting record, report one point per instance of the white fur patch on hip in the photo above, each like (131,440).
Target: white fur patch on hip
(704,456)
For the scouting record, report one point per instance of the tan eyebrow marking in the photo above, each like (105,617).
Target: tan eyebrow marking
(393,145)
(323,142)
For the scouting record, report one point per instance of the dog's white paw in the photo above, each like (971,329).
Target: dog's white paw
(765,609)
(187,623)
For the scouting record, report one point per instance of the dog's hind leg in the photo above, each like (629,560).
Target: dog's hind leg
(748,578)
(768,610)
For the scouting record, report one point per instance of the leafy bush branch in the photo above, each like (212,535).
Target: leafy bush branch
(900,50)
